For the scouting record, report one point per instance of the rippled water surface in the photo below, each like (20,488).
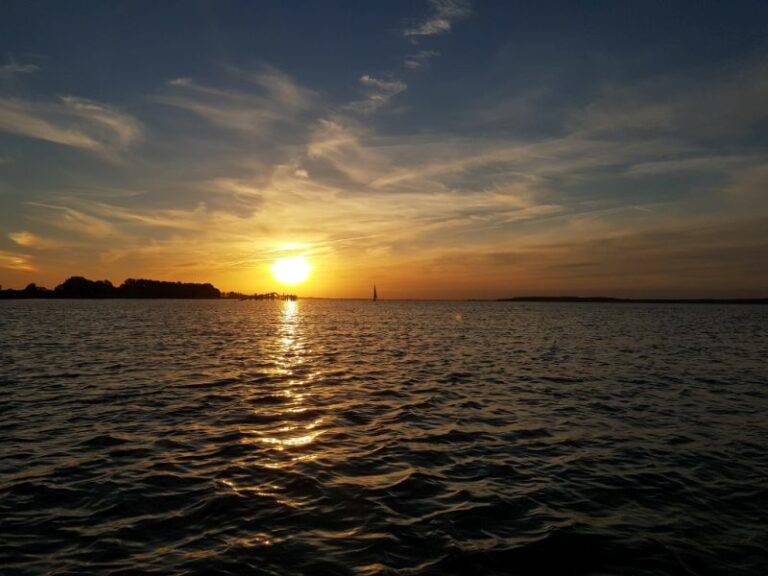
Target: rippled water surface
(330,437)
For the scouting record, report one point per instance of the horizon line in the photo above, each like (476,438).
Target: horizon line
(47,293)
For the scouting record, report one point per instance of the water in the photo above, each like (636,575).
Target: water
(327,437)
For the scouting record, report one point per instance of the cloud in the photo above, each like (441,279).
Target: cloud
(30,240)
(419,59)
(449,157)
(706,109)
(444,14)
(78,221)
(750,183)
(711,258)
(71,121)
(378,93)
(12,261)
(526,111)
(337,147)
(175,219)
(387,86)
(277,99)
(352,157)
(705,163)
(280,87)
(13,68)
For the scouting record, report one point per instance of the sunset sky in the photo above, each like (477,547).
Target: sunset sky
(439,149)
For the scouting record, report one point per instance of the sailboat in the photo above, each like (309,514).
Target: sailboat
(375,296)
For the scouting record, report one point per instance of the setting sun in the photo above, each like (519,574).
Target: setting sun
(290,271)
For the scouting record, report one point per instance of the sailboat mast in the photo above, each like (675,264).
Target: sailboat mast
(375,296)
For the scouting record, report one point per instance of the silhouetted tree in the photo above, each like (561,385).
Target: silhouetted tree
(79,287)
(141,288)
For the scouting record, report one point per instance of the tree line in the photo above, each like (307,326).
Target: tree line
(79,287)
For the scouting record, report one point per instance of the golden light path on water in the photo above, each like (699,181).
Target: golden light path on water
(291,356)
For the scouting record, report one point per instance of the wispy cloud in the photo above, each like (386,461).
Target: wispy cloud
(277,99)
(175,219)
(30,240)
(338,146)
(723,105)
(280,87)
(750,184)
(71,121)
(378,92)
(386,86)
(20,262)
(419,59)
(13,68)
(704,259)
(443,15)
(78,221)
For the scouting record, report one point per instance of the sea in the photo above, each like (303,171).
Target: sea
(332,437)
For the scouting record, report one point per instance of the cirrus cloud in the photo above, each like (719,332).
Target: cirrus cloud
(441,20)
(71,121)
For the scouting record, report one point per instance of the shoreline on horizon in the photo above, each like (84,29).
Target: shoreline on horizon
(521,300)
(80,288)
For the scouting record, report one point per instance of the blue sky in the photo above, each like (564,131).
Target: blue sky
(442,149)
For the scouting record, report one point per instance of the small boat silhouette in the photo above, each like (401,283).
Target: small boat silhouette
(375,296)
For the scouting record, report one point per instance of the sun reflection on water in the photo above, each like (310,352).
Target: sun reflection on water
(302,440)
(291,356)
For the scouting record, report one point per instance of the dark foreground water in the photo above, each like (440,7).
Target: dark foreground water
(320,437)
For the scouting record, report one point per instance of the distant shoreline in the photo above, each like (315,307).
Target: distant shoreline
(78,287)
(522,299)
(609,300)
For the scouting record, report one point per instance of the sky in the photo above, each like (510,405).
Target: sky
(439,148)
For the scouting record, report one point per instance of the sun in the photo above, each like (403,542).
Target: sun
(290,271)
